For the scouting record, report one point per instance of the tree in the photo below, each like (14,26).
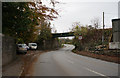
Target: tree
(96,22)
(54,29)
(90,27)
(42,11)
(45,31)
(21,20)
(78,30)
(17,21)
(44,34)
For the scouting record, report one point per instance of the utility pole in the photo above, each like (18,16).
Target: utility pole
(103,30)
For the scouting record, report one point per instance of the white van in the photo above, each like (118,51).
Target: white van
(32,46)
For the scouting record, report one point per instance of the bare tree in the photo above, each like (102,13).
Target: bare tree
(54,29)
(96,22)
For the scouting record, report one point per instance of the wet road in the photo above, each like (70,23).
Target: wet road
(63,62)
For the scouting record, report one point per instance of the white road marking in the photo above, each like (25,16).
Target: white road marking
(96,72)
(70,61)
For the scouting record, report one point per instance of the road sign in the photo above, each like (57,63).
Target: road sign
(80,37)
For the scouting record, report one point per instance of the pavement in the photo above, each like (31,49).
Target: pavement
(21,65)
(63,62)
(14,68)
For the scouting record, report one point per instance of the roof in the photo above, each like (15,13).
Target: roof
(116,19)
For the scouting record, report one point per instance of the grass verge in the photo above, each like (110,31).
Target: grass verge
(114,59)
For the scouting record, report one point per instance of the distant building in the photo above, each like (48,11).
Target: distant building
(116,34)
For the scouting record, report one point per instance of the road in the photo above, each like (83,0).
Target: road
(63,62)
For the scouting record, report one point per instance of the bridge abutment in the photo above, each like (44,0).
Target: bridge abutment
(50,44)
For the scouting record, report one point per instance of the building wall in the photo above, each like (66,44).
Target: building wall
(116,34)
(8,49)
(0,49)
(116,30)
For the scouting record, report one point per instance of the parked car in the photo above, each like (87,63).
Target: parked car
(32,46)
(21,49)
(26,46)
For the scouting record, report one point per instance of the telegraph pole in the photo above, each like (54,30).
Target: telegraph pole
(103,30)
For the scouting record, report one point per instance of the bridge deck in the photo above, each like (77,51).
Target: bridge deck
(67,34)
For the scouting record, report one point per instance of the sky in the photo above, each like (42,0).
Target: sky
(84,11)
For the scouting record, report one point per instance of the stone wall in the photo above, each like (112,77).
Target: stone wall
(49,44)
(116,30)
(116,34)
(8,49)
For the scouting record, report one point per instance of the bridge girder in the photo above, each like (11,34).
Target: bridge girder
(68,34)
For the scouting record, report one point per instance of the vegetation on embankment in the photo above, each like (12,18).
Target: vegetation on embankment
(91,37)
(91,44)
(110,56)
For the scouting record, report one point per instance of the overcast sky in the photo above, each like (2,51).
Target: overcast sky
(83,11)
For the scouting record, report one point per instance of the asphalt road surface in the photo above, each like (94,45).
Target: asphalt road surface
(63,62)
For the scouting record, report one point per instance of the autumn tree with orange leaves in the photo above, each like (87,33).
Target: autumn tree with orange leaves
(22,20)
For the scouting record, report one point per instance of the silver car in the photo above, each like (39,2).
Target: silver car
(21,49)
(26,46)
